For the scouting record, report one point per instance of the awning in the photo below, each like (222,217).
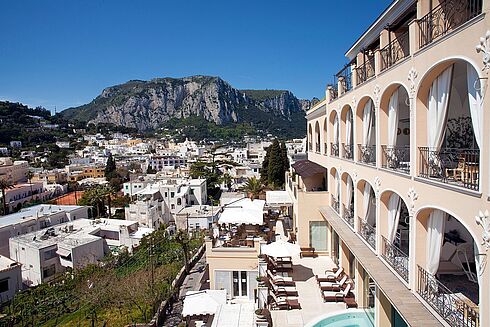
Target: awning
(63,252)
(243,211)
(278,198)
(204,302)
(307,168)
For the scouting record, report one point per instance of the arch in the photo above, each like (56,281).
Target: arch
(310,138)
(347,118)
(366,133)
(317,137)
(325,134)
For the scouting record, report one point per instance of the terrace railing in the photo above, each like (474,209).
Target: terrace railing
(455,311)
(348,215)
(397,50)
(326,148)
(367,232)
(334,149)
(458,167)
(367,154)
(335,203)
(396,158)
(348,151)
(366,70)
(396,258)
(444,18)
(345,78)
(317,147)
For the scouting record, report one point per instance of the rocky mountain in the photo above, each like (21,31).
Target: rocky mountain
(145,105)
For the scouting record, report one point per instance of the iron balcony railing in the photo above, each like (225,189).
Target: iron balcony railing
(454,310)
(458,167)
(348,215)
(345,78)
(317,147)
(348,151)
(366,70)
(367,232)
(335,203)
(397,50)
(396,158)
(326,148)
(367,154)
(334,149)
(334,91)
(395,258)
(444,18)
(310,146)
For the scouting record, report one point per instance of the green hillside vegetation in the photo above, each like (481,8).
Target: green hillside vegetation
(125,290)
(261,95)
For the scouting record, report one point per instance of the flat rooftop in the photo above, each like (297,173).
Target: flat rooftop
(35,212)
(199,211)
(7,263)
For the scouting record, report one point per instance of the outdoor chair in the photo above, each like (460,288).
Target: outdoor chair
(283,303)
(334,286)
(332,296)
(284,290)
(330,277)
(457,172)
(278,279)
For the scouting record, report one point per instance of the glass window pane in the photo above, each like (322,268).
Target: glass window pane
(318,235)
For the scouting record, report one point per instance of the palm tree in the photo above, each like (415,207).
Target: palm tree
(253,187)
(5,185)
(108,192)
(29,176)
(227,180)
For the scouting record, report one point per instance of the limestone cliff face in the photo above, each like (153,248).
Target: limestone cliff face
(147,104)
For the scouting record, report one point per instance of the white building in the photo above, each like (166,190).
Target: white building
(10,278)
(36,218)
(148,208)
(197,217)
(13,171)
(22,194)
(45,254)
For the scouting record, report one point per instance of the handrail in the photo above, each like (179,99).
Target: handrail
(396,158)
(396,258)
(367,232)
(395,51)
(348,215)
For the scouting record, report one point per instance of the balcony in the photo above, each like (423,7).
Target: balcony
(317,148)
(397,50)
(366,70)
(396,158)
(344,78)
(348,215)
(446,17)
(310,146)
(395,258)
(459,167)
(348,151)
(334,203)
(326,148)
(367,232)
(334,149)
(367,154)
(454,310)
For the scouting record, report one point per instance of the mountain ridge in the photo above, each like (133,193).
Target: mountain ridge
(146,105)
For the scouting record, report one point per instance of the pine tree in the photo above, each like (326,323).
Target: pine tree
(110,168)
(275,170)
(264,172)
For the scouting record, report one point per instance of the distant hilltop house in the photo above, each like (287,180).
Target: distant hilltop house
(63,144)
(16,144)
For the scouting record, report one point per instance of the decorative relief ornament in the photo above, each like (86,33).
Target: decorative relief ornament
(413,196)
(377,185)
(412,77)
(354,102)
(377,93)
(484,48)
(354,176)
(482,219)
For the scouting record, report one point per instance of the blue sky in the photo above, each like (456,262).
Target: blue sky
(63,53)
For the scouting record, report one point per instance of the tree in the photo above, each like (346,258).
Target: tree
(110,168)
(253,187)
(227,180)
(275,164)
(182,237)
(5,185)
(95,197)
(29,176)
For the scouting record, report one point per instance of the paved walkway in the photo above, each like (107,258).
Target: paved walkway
(192,282)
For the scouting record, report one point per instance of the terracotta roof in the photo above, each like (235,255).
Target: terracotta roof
(307,168)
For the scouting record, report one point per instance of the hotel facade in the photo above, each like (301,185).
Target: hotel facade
(396,187)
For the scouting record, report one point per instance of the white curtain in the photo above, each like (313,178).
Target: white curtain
(393,119)
(435,238)
(337,186)
(367,203)
(438,109)
(476,102)
(348,195)
(394,208)
(367,117)
(336,130)
(478,263)
(348,128)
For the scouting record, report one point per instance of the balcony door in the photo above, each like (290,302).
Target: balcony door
(240,284)
(318,235)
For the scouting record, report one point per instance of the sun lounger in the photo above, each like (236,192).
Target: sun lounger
(332,296)
(332,277)
(283,303)
(284,290)
(279,280)
(333,286)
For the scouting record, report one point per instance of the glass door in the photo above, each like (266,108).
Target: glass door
(335,248)
(318,235)
(240,284)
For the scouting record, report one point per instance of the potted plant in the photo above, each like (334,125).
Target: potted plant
(260,314)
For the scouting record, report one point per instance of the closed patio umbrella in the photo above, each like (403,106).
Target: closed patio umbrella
(281,248)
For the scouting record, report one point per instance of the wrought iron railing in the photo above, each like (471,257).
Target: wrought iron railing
(310,146)
(334,91)
(366,70)
(395,51)
(348,215)
(455,311)
(317,147)
(396,158)
(444,18)
(334,149)
(396,258)
(367,154)
(326,148)
(453,166)
(367,232)
(334,203)
(348,151)
(345,78)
